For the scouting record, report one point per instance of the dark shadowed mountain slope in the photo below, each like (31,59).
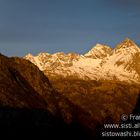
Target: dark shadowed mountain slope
(29,105)
(15,91)
(39,124)
(22,84)
(38,82)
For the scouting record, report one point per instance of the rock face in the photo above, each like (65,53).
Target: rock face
(15,91)
(23,85)
(38,81)
(100,63)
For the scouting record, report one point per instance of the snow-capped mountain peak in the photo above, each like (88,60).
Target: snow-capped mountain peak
(127,46)
(101,62)
(126,43)
(122,63)
(99,51)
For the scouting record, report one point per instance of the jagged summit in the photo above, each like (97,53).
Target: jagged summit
(127,44)
(99,51)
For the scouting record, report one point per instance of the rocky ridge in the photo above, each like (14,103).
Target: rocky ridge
(100,63)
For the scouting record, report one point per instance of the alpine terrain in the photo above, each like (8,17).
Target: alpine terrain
(100,63)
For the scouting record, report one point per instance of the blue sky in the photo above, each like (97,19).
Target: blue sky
(33,26)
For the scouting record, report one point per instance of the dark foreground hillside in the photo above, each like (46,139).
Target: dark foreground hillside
(35,123)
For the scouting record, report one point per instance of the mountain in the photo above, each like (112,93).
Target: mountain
(15,90)
(29,105)
(23,85)
(100,63)
(99,51)
(21,82)
(123,64)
